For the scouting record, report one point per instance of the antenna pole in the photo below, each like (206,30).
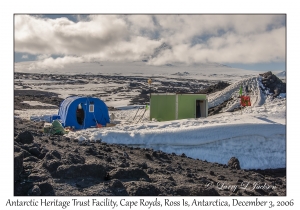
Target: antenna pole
(149,82)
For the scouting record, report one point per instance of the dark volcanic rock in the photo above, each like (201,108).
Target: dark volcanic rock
(44,151)
(124,165)
(143,189)
(182,190)
(83,183)
(91,151)
(31,159)
(273,83)
(202,191)
(25,137)
(82,170)
(148,156)
(38,177)
(196,191)
(26,153)
(234,163)
(52,161)
(35,191)
(52,165)
(129,173)
(46,189)
(143,165)
(117,187)
(21,189)
(35,151)
(75,159)
(214,88)
(221,177)
(17,148)
(218,108)
(108,159)
(18,165)
(53,154)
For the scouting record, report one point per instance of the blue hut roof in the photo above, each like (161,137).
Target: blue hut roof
(93,111)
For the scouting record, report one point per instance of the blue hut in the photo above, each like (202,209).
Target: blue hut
(83,112)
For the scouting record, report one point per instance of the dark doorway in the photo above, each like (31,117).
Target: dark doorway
(198,111)
(80,114)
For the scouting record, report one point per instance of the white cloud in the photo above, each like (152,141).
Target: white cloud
(62,36)
(193,38)
(57,63)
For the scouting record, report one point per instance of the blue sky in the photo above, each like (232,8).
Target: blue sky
(252,42)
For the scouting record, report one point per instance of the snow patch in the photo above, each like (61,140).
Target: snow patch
(37,103)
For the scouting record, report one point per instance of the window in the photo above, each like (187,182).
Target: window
(91,108)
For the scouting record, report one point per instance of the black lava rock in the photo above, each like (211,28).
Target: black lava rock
(234,163)
(18,165)
(25,137)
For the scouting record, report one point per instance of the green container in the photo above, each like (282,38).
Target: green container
(165,107)
(47,129)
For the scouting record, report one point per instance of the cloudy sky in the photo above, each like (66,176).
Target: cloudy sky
(256,42)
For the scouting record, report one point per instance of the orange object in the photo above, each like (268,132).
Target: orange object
(99,125)
(245,101)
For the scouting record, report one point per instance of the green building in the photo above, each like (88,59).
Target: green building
(164,107)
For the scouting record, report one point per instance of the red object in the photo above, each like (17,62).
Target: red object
(245,101)
(99,125)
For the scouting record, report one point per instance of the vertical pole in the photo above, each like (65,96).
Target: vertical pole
(150,101)
(176,107)
(150,93)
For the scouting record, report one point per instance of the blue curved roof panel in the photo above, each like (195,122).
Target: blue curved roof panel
(95,112)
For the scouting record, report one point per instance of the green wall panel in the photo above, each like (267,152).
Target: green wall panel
(162,107)
(187,105)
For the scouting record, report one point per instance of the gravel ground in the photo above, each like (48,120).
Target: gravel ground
(56,165)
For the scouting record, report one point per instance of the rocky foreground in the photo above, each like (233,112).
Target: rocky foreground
(60,166)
